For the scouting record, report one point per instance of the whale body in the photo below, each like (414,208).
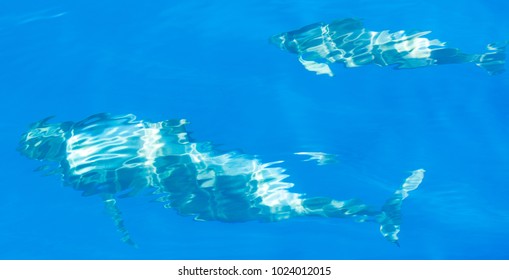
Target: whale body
(346,41)
(114,157)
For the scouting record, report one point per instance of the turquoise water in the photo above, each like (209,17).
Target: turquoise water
(212,64)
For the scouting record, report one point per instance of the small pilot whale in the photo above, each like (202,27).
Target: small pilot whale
(118,156)
(321,158)
(347,41)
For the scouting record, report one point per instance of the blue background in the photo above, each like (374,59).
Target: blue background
(210,62)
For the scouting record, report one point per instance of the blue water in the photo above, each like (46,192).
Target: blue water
(210,62)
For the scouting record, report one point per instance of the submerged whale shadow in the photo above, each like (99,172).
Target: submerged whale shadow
(118,156)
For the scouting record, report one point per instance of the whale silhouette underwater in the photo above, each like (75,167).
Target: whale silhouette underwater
(114,157)
(346,41)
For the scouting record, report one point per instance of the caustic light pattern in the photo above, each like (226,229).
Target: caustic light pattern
(347,41)
(118,156)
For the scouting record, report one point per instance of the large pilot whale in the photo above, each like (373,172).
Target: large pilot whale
(114,157)
(347,41)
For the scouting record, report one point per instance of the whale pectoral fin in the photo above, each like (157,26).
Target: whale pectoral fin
(319,68)
(112,209)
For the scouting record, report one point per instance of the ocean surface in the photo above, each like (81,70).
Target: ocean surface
(211,63)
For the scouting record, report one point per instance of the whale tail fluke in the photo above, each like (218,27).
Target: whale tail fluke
(493,60)
(390,216)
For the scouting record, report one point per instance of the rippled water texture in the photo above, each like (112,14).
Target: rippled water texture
(358,134)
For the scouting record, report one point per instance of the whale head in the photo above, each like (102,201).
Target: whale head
(44,141)
(279,40)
